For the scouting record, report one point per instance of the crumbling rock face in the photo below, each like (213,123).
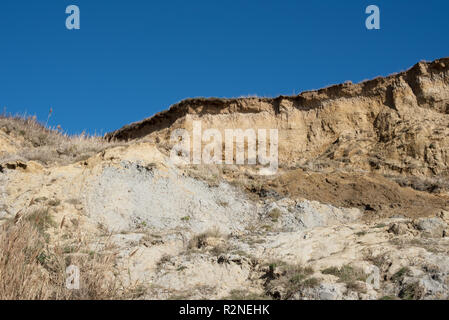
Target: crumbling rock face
(357,210)
(127,196)
(395,125)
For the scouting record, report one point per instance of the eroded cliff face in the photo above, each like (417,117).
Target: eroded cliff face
(393,125)
(361,193)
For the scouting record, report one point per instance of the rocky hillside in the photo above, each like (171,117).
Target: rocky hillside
(359,208)
(392,125)
(352,135)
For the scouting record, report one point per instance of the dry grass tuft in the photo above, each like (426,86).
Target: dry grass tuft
(348,275)
(30,269)
(284,280)
(35,141)
(245,295)
(201,240)
(212,240)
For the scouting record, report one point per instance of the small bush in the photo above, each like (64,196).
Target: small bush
(291,278)
(346,274)
(379,260)
(398,276)
(275,214)
(411,291)
(200,240)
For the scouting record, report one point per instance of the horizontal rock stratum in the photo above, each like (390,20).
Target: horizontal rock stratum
(396,124)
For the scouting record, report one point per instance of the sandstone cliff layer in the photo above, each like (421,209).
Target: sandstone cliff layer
(393,125)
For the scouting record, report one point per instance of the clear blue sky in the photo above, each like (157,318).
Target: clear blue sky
(133,58)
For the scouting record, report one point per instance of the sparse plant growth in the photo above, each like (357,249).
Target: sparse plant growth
(142,225)
(54,202)
(388,298)
(429,244)
(275,264)
(212,240)
(220,249)
(399,275)
(199,241)
(266,228)
(73,201)
(223,203)
(137,292)
(275,214)
(41,219)
(163,260)
(347,274)
(310,283)
(355,286)
(378,260)
(291,278)
(207,173)
(411,291)
(31,269)
(357,208)
(245,295)
(48,145)
(427,184)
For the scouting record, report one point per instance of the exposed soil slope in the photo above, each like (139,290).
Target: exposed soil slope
(361,194)
(367,144)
